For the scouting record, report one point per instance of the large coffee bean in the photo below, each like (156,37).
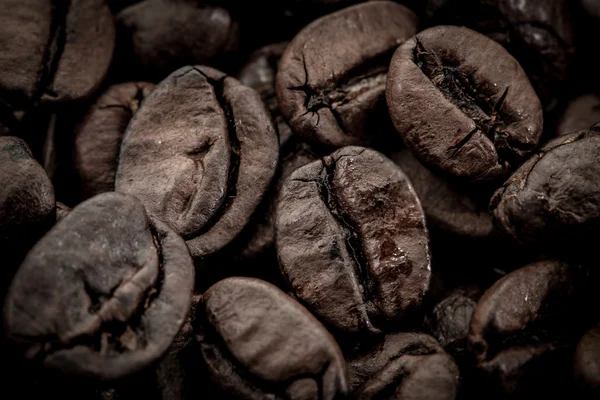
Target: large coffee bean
(331,80)
(200,154)
(98,138)
(404,366)
(351,240)
(104,293)
(462,104)
(53,51)
(258,343)
(553,199)
(163,35)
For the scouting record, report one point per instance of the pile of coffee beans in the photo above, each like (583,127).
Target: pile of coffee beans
(299,199)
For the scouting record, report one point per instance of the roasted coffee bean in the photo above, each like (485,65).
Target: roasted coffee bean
(520,327)
(587,361)
(200,154)
(62,54)
(27,204)
(538,33)
(331,80)
(582,113)
(259,74)
(98,138)
(404,366)
(450,207)
(104,293)
(62,210)
(553,200)
(351,240)
(161,36)
(462,104)
(258,343)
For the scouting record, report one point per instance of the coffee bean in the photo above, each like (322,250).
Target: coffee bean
(62,210)
(553,200)
(50,63)
(538,33)
(258,343)
(582,113)
(27,205)
(331,80)
(462,104)
(351,240)
(200,154)
(450,207)
(161,36)
(259,74)
(587,361)
(98,138)
(104,293)
(404,366)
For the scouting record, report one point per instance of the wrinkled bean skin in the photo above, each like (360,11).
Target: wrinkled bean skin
(259,73)
(244,324)
(449,206)
(356,213)
(27,204)
(110,307)
(538,33)
(486,116)
(203,35)
(587,361)
(200,154)
(404,366)
(49,62)
(553,199)
(98,138)
(331,79)
(582,113)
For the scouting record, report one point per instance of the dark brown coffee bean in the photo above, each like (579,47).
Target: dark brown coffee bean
(404,366)
(450,207)
(258,343)
(331,81)
(351,240)
(582,113)
(62,54)
(104,293)
(27,204)
(200,154)
(98,138)
(587,361)
(554,198)
(259,74)
(462,104)
(538,33)
(161,35)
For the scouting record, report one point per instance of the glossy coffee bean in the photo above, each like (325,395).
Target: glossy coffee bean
(404,366)
(553,199)
(98,138)
(462,104)
(351,240)
(331,80)
(259,343)
(163,35)
(103,294)
(200,154)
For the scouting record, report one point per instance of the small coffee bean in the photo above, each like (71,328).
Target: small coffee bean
(98,138)
(259,343)
(462,104)
(104,293)
(331,80)
(351,240)
(200,154)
